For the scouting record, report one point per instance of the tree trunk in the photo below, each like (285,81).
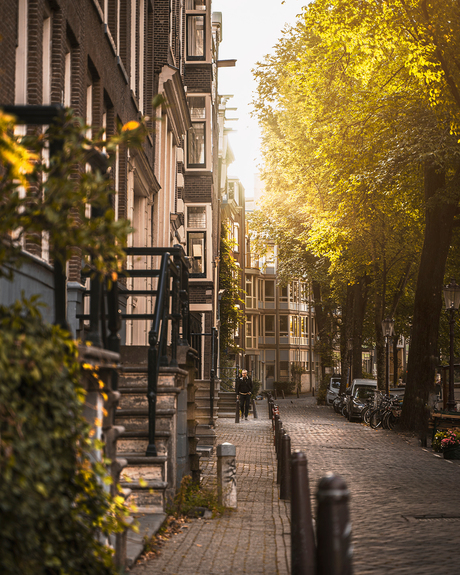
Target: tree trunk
(359,310)
(439,216)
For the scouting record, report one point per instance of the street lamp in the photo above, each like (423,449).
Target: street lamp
(452,300)
(388,326)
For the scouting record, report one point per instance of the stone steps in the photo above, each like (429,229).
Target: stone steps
(145,476)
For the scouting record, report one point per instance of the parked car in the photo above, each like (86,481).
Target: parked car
(360,391)
(333,389)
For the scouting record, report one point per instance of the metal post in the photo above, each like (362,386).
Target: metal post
(451,403)
(302,535)
(387,374)
(254,409)
(285,483)
(333,528)
(213,374)
(237,414)
(282,391)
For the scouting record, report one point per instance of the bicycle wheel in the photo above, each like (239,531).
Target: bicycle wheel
(344,411)
(392,420)
(385,418)
(365,415)
(375,419)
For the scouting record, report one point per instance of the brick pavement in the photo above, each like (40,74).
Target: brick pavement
(405,501)
(255,538)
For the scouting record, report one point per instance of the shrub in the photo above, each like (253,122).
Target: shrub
(287,386)
(55,509)
(255,388)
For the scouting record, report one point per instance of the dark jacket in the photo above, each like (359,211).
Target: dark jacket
(243,385)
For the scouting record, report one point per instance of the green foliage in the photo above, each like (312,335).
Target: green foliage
(54,505)
(52,197)
(192,496)
(287,386)
(231,304)
(255,388)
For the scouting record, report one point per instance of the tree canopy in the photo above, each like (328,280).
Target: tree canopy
(359,108)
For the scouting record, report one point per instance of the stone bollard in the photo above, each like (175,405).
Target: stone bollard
(226,475)
(302,535)
(333,527)
(254,409)
(285,483)
(237,413)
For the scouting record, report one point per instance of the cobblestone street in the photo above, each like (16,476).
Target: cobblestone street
(405,501)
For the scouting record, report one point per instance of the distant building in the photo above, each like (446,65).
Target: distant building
(280,330)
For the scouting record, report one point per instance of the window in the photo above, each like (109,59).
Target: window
(196,242)
(284,293)
(269,290)
(236,238)
(270,325)
(284,325)
(284,368)
(196,135)
(46,60)
(195,5)
(196,37)
(196,217)
(304,326)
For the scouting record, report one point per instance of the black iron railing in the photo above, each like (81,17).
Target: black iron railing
(170,319)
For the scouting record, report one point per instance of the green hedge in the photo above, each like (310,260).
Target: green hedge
(55,509)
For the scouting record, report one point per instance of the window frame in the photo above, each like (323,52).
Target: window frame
(203,234)
(205,14)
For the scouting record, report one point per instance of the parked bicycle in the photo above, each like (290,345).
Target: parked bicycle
(387,414)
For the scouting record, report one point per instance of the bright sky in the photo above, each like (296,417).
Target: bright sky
(250,28)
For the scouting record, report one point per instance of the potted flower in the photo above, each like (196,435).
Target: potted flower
(447,443)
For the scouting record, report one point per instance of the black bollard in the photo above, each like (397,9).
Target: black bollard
(280,456)
(254,409)
(274,394)
(276,421)
(271,403)
(298,393)
(237,414)
(302,535)
(285,483)
(282,391)
(333,527)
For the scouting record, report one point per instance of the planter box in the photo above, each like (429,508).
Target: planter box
(452,452)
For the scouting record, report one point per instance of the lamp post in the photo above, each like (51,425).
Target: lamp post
(451,294)
(388,325)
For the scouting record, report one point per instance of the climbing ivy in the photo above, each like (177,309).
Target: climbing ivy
(231,304)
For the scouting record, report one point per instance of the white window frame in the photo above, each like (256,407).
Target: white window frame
(20,85)
(207,164)
(206,57)
(207,242)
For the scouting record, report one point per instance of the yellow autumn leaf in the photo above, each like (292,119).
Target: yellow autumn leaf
(132,125)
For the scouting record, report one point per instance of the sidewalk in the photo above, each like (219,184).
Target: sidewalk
(255,538)
(404,504)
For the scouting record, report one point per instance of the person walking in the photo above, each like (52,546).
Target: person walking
(243,390)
